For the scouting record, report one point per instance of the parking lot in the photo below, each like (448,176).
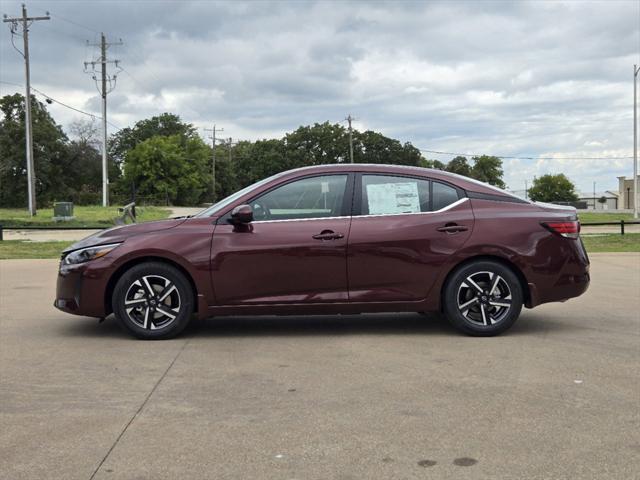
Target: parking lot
(342,397)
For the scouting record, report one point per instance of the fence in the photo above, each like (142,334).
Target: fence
(621,223)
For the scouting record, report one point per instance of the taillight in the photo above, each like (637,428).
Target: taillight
(566,229)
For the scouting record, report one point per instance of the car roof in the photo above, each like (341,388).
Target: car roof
(461,181)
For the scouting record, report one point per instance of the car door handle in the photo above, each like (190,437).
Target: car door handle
(452,228)
(328,235)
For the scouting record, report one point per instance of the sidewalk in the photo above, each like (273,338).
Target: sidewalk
(72,235)
(47,235)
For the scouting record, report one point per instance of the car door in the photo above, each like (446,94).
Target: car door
(295,249)
(402,232)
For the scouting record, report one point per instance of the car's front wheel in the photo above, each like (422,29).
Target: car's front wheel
(483,298)
(153,300)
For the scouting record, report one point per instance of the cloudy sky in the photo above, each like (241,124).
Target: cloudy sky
(546,79)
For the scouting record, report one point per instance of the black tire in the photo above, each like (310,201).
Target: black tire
(472,308)
(147,315)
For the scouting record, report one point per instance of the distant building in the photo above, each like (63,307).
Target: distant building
(620,200)
(626,191)
(593,203)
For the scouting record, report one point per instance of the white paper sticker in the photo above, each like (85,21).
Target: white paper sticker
(387,198)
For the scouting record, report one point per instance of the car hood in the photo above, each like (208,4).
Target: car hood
(121,233)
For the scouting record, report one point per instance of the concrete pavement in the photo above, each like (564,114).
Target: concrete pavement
(352,397)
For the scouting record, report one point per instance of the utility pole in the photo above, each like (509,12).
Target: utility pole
(636,69)
(350,119)
(594,196)
(526,189)
(25,22)
(213,157)
(105,85)
(229,147)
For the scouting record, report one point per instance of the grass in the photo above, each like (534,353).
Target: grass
(587,217)
(629,242)
(86,216)
(13,249)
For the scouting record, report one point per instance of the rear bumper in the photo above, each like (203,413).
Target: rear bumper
(568,286)
(571,280)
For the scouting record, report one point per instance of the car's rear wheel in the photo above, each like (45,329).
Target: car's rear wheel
(483,298)
(153,301)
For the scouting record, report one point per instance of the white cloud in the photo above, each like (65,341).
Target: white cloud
(530,79)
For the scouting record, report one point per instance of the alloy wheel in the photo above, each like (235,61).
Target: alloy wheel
(484,298)
(152,302)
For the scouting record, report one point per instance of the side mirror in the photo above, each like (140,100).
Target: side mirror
(242,214)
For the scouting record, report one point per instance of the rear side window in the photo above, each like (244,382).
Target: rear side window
(388,195)
(443,195)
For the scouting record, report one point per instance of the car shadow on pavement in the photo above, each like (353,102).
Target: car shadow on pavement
(327,325)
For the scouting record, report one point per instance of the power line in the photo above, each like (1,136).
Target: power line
(73,22)
(134,78)
(49,97)
(77,38)
(138,60)
(522,158)
(13,84)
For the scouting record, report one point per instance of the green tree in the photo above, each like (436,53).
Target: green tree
(459,165)
(488,169)
(373,147)
(165,125)
(553,188)
(84,173)
(429,163)
(169,168)
(258,160)
(316,145)
(51,161)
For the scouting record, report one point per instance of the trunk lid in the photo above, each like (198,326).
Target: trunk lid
(552,207)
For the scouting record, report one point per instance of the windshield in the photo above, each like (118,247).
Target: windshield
(225,202)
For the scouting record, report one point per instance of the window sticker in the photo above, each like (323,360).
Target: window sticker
(387,198)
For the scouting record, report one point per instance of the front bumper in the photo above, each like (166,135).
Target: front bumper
(80,289)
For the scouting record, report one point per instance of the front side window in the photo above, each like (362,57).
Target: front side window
(313,197)
(387,195)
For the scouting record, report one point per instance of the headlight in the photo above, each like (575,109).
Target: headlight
(86,254)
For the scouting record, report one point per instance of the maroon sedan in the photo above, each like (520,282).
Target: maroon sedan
(334,239)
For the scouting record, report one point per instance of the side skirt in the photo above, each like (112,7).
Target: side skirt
(318,308)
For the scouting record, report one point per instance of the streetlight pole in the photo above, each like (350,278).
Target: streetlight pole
(636,69)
